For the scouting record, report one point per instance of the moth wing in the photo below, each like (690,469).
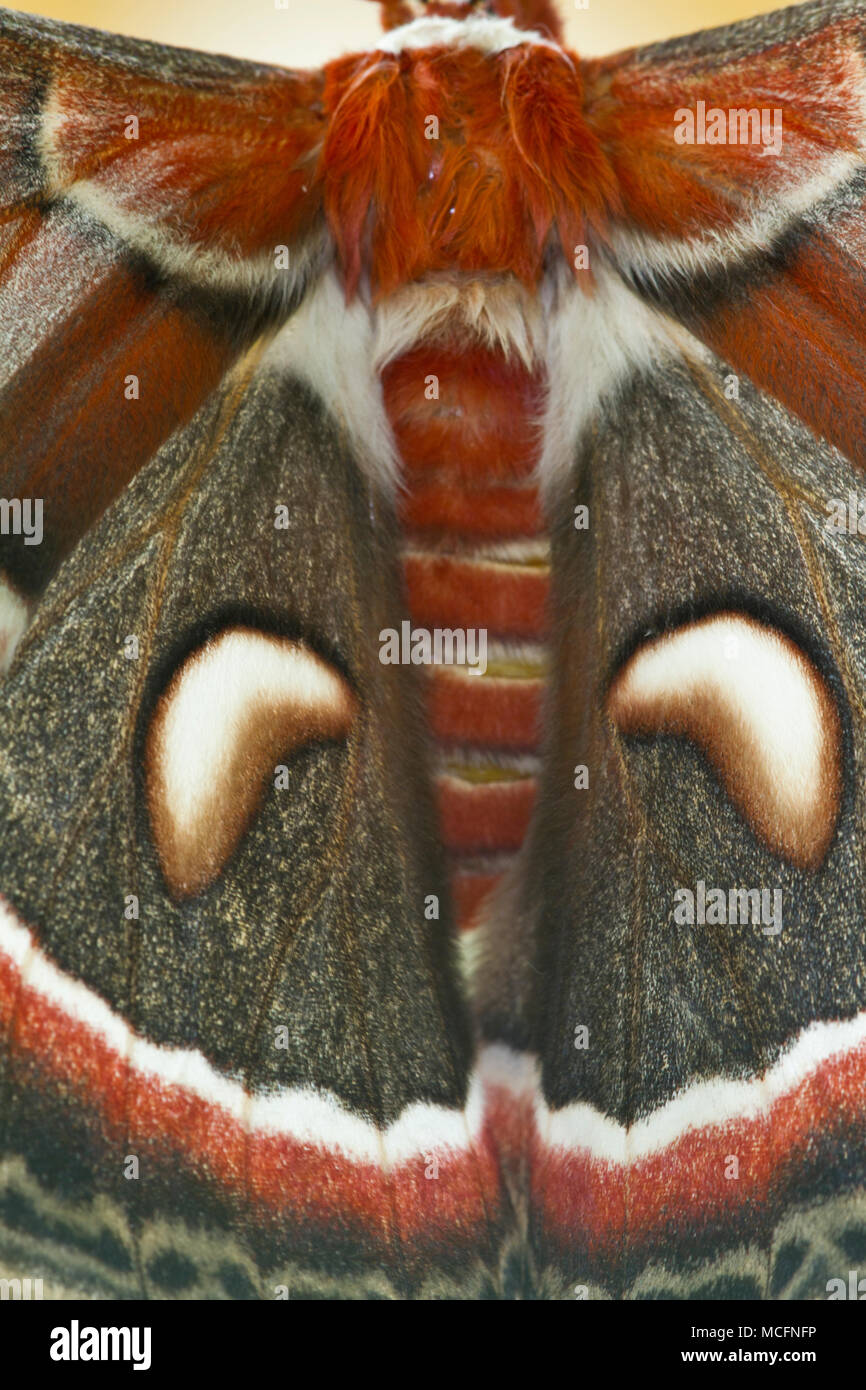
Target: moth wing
(157,210)
(672,989)
(236,1060)
(740,157)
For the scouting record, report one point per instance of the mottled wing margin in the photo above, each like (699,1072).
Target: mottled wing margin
(760,253)
(690,1119)
(285,1053)
(144,192)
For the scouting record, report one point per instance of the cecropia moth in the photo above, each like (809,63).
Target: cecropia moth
(433,743)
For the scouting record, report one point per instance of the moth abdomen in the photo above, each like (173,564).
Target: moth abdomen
(475,560)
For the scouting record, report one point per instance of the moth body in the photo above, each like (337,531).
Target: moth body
(462,350)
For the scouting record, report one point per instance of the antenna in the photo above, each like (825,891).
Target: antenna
(397,12)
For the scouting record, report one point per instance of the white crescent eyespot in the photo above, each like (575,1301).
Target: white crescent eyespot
(231,710)
(762,714)
(14,617)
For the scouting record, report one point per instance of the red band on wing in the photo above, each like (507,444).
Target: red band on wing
(270,1176)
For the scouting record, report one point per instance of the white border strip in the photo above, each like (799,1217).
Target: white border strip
(299,1114)
(706,1105)
(660,257)
(318,1119)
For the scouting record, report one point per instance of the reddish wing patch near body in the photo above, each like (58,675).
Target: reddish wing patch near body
(143,194)
(693,213)
(803,327)
(227,166)
(134,367)
(673,188)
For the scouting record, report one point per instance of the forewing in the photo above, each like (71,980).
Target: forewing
(695,1126)
(756,243)
(247,1076)
(145,193)
(689,1119)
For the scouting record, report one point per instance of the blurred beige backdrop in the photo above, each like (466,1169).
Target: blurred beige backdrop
(309,31)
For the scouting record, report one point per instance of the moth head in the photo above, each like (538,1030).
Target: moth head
(527,14)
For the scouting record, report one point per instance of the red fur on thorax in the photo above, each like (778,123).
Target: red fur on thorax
(514,164)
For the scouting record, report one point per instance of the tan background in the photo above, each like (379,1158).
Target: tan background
(310,31)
